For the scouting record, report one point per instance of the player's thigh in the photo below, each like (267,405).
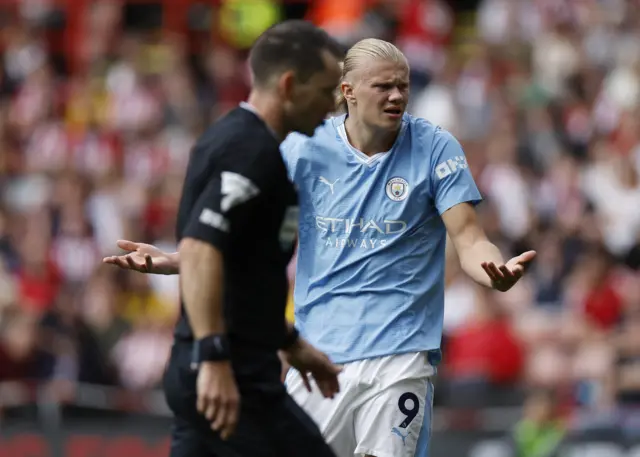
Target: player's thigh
(396,421)
(334,417)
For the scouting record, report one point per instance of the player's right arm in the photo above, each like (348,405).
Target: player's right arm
(145,258)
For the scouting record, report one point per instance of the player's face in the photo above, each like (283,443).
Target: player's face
(381,92)
(311,101)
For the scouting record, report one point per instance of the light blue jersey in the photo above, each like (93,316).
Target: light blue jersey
(370,273)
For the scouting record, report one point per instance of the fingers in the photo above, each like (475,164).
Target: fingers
(285,365)
(207,405)
(506,273)
(502,273)
(527,257)
(128,262)
(492,271)
(212,405)
(222,410)
(327,379)
(226,416)
(118,261)
(132,263)
(305,381)
(202,404)
(517,272)
(148,260)
(127,245)
(329,385)
(233,414)
(495,272)
(502,277)
(334,384)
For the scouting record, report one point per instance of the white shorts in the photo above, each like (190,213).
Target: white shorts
(384,407)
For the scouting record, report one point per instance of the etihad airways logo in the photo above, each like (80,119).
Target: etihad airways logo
(358,233)
(346,226)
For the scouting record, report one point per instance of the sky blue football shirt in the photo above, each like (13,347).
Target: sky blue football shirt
(371,255)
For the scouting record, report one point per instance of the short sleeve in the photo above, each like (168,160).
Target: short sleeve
(225,199)
(453,182)
(290,149)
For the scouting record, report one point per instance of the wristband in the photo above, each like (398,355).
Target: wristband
(212,348)
(290,338)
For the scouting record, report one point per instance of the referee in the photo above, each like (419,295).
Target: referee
(236,230)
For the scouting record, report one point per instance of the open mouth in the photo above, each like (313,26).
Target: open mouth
(393,111)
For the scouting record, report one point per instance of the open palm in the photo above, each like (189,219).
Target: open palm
(504,277)
(141,257)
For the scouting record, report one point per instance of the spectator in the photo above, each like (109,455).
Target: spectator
(485,348)
(540,432)
(18,347)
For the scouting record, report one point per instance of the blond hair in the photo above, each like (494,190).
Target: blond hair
(367,49)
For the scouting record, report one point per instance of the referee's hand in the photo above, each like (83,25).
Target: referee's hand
(310,361)
(218,397)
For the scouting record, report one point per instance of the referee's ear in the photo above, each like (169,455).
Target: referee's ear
(286,85)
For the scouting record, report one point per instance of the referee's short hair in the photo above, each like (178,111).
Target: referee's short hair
(291,45)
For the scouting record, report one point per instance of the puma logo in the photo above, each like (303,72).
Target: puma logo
(396,431)
(324,180)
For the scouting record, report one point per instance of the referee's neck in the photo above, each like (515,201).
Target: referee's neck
(268,107)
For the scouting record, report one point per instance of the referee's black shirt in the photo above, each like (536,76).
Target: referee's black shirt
(237,196)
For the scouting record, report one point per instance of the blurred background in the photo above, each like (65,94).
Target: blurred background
(100,102)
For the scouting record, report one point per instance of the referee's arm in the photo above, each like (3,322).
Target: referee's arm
(201,284)
(201,265)
(204,240)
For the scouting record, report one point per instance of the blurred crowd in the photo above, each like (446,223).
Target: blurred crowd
(546,103)
(543,94)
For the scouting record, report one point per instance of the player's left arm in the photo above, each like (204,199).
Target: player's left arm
(480,259)
(455,196)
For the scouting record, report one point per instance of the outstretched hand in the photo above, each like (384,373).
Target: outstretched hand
(504,277)
(144,258)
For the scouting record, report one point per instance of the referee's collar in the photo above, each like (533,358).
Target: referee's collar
(250,107)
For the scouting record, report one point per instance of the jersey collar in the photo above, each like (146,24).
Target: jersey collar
(339,125)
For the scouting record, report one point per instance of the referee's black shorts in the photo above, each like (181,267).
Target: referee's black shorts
(270,424)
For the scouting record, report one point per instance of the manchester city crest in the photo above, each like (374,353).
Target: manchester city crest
(397,189)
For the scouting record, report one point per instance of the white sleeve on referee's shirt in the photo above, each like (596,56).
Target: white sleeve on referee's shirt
(225,200)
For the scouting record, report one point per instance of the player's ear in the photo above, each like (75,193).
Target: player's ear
(347,91)
(286,84)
